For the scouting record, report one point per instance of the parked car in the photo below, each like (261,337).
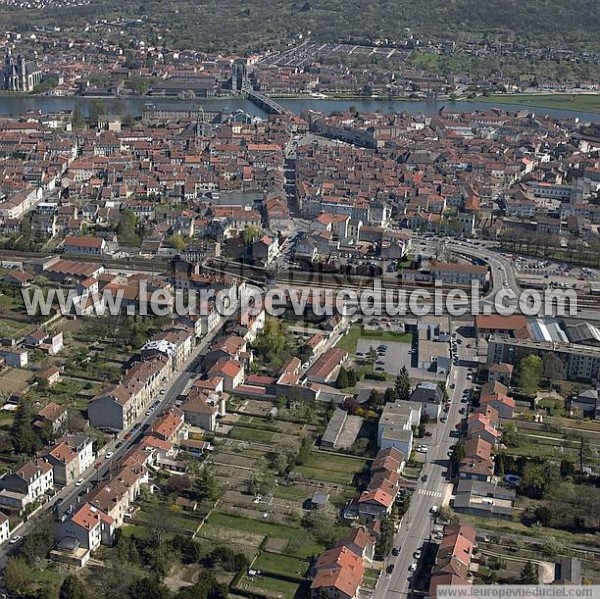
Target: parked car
(15,539)
(108,455)
(390,569)
(417,554)
(79,482)
(396,551)
(412,567)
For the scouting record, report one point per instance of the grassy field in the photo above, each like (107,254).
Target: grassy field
(281,564)
(269,587)
(350,341)
(250,434)
(577,102)
(332,468)
(295,536)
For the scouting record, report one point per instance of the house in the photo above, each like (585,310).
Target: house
(231,371)
(360,542)
(395,425)
(48,377)
(265,249)
(453,558)
(501,373)
(63,459)
(200,411)
(499,401)
(430,396)
(478,463)
(40,339)
(53,415)
(485,499)
(17,278)
(479,426)
(70,457)
(587,403)
(375,504)
(28,483)
(117,406)
(338,573)
(90,526)
(169,426)
(15,358)
(95,246)
(4,528)
(326,367)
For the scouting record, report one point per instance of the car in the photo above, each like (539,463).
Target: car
(434,509)
(390,569)
(15,539)
(119,444)
(396,551)
(412,567)
(136,426)
(108,455)
(79,482)
(379,368)
(98,465)
(417,554)
(380,362)
(127,436)
(148,412)
(462,411)
(453,386)
(459,341)
(424,478)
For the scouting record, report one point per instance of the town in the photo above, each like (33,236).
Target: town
(242,454)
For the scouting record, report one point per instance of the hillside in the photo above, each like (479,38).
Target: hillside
(241,24)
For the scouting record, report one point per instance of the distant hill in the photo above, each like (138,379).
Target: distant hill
(241,24)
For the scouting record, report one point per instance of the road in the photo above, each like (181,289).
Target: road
(70,494)
(417,523)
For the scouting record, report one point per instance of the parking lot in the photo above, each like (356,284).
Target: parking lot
(392,359)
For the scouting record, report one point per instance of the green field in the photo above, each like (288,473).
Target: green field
(350,341)
(281,564)
(577,102)
(331,468)
(250,434)
(305,547)
(270,587)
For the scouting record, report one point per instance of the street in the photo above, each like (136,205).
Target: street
(71,494)
(417,523)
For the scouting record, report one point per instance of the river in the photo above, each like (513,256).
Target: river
(15,105)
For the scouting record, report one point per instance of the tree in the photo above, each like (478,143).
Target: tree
(543,515)
(250,234)
(126,229)
(73,588)
(148,588)
(205,487)
(17,575)
(402,384)
(371,356)
(228,559)
(538,479)
(342,379)
(190,550)
(390,395)
(530,373)
(458,453)
(177,241)
(207,587)
(271,343)
(351,377)
(529,574)
(23,435)
(96,109)
(445,513)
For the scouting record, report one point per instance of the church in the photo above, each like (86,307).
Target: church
(18,75)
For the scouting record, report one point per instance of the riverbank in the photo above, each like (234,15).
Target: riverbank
(570,102)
